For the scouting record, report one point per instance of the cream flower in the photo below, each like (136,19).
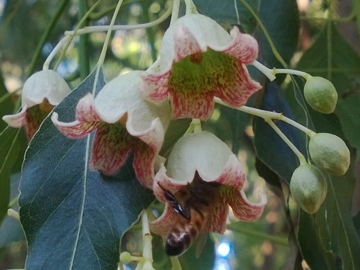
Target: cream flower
(202,166)
(199,60)
(41,92)
(124,123)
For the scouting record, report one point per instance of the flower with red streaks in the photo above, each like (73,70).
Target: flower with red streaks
(41,92)
(201,166)
(124,123)
(199,60)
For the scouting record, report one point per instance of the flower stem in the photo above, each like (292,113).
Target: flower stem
(270,73)
(175,263)
(12,213)
(93,29)
(269,115)
(195,126)
(286,140)
(189,5)
(105,46)
(175,11)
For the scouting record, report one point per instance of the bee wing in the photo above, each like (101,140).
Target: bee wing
(204,234)
(201,241)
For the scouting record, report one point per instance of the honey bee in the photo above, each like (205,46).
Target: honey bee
(195,205)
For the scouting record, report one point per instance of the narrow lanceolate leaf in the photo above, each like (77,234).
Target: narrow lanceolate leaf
(9,149)
(73,217)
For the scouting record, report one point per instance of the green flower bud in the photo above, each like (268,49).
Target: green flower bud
(308,187)
(320,94)
(125,257)
(329,153)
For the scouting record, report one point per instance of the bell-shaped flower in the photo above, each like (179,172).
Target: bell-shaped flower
(202,174)
(124,123)
(41,92)
(199,60)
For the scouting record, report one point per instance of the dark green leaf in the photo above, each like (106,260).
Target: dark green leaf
(6,105)
(230,12)
(270,148)
(74,218)
(11,230)
(281,20)
(9,149)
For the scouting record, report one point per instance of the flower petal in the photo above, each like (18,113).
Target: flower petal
(199,151)
(165,222)
(169,183)
(184,43)
(112,146)
(75,129)
(87,119)
(219,216)
(237,92)
(157,89)
(242,208)
(194,105)
(144,159)
(44,84)
(16,120)
(243,47)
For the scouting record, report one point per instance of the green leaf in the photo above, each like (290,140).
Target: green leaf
(73,217)
(6,104)
(281,20)
(230,12)
(11,230)
(276,154)
(9,149)
(333,58)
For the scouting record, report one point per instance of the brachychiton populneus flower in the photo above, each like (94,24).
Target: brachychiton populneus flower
(201,167)
(41,92)
(124,123)
(199,60)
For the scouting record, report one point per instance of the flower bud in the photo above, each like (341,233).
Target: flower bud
(308,187)
(125,257)
(329,153)
(320,94)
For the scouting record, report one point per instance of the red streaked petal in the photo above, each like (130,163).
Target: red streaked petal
(243,46)
(75,129)
(233,174)
(144,159)
(219,216)
(237,92)
(85,111)
(194,105)
(112,146)
(185,43)
(166,182)
(165,222)
(157,89)
(242,208)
